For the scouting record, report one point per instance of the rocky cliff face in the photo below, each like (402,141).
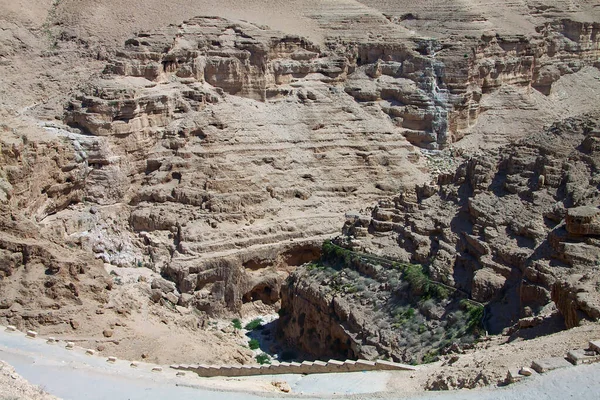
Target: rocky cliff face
(42,281)
(230,154)
(514,229)
(217,137)
(432,88)
(222,153)
(348,305)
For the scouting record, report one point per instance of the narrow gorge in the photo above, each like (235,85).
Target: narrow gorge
(388,181)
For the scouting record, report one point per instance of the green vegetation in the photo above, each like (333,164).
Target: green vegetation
(423,313)
(237,324)
(253,344)
(416,275)
(420,284)
(263,358)
(314,266)
(402,315)
(429,357)
(474,313)
(254,324)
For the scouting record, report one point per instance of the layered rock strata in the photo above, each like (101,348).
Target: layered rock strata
(514,229)
(221,153)
(221,136)
(42,281)
(224,153)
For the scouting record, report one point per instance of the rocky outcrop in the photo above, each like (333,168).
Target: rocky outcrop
(358,306)
(583,220)
(188,137)
(42,282)
(513,228)
(432,89)
(212,163)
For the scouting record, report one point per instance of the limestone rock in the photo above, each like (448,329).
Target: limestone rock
(584,220)
(163,285)
(487,284)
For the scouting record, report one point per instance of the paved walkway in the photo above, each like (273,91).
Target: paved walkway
(74,375)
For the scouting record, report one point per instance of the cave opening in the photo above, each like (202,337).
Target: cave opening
(264,293)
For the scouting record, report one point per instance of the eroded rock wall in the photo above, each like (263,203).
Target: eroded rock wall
(515,227)
(223,154)
(41,281)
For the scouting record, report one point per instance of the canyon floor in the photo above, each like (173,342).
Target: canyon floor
(164,168)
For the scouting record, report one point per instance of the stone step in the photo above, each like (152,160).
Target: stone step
(581,356)
(384,365)
(335,364)
(549,364)
(364,365)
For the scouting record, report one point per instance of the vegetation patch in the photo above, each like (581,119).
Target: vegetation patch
(237,324)
(423,316)
(263,358)
(254,324)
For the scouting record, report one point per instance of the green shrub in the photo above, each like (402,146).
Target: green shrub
(263,358)
(418,280)
(314,266)
(253,344)
(254,324)
(237,324)
(441,292)
(474,316)
(430,357)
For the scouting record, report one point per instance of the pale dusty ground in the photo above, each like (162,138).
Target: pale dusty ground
(140,332)
(491,358)
(13,386)
(70,374)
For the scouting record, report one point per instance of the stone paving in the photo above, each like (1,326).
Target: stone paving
(573,357)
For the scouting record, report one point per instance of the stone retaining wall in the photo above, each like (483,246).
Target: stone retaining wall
(306,367)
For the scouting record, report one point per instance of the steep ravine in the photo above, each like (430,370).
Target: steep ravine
(516,229)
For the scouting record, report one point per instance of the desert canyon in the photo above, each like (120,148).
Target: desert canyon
(372,179)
